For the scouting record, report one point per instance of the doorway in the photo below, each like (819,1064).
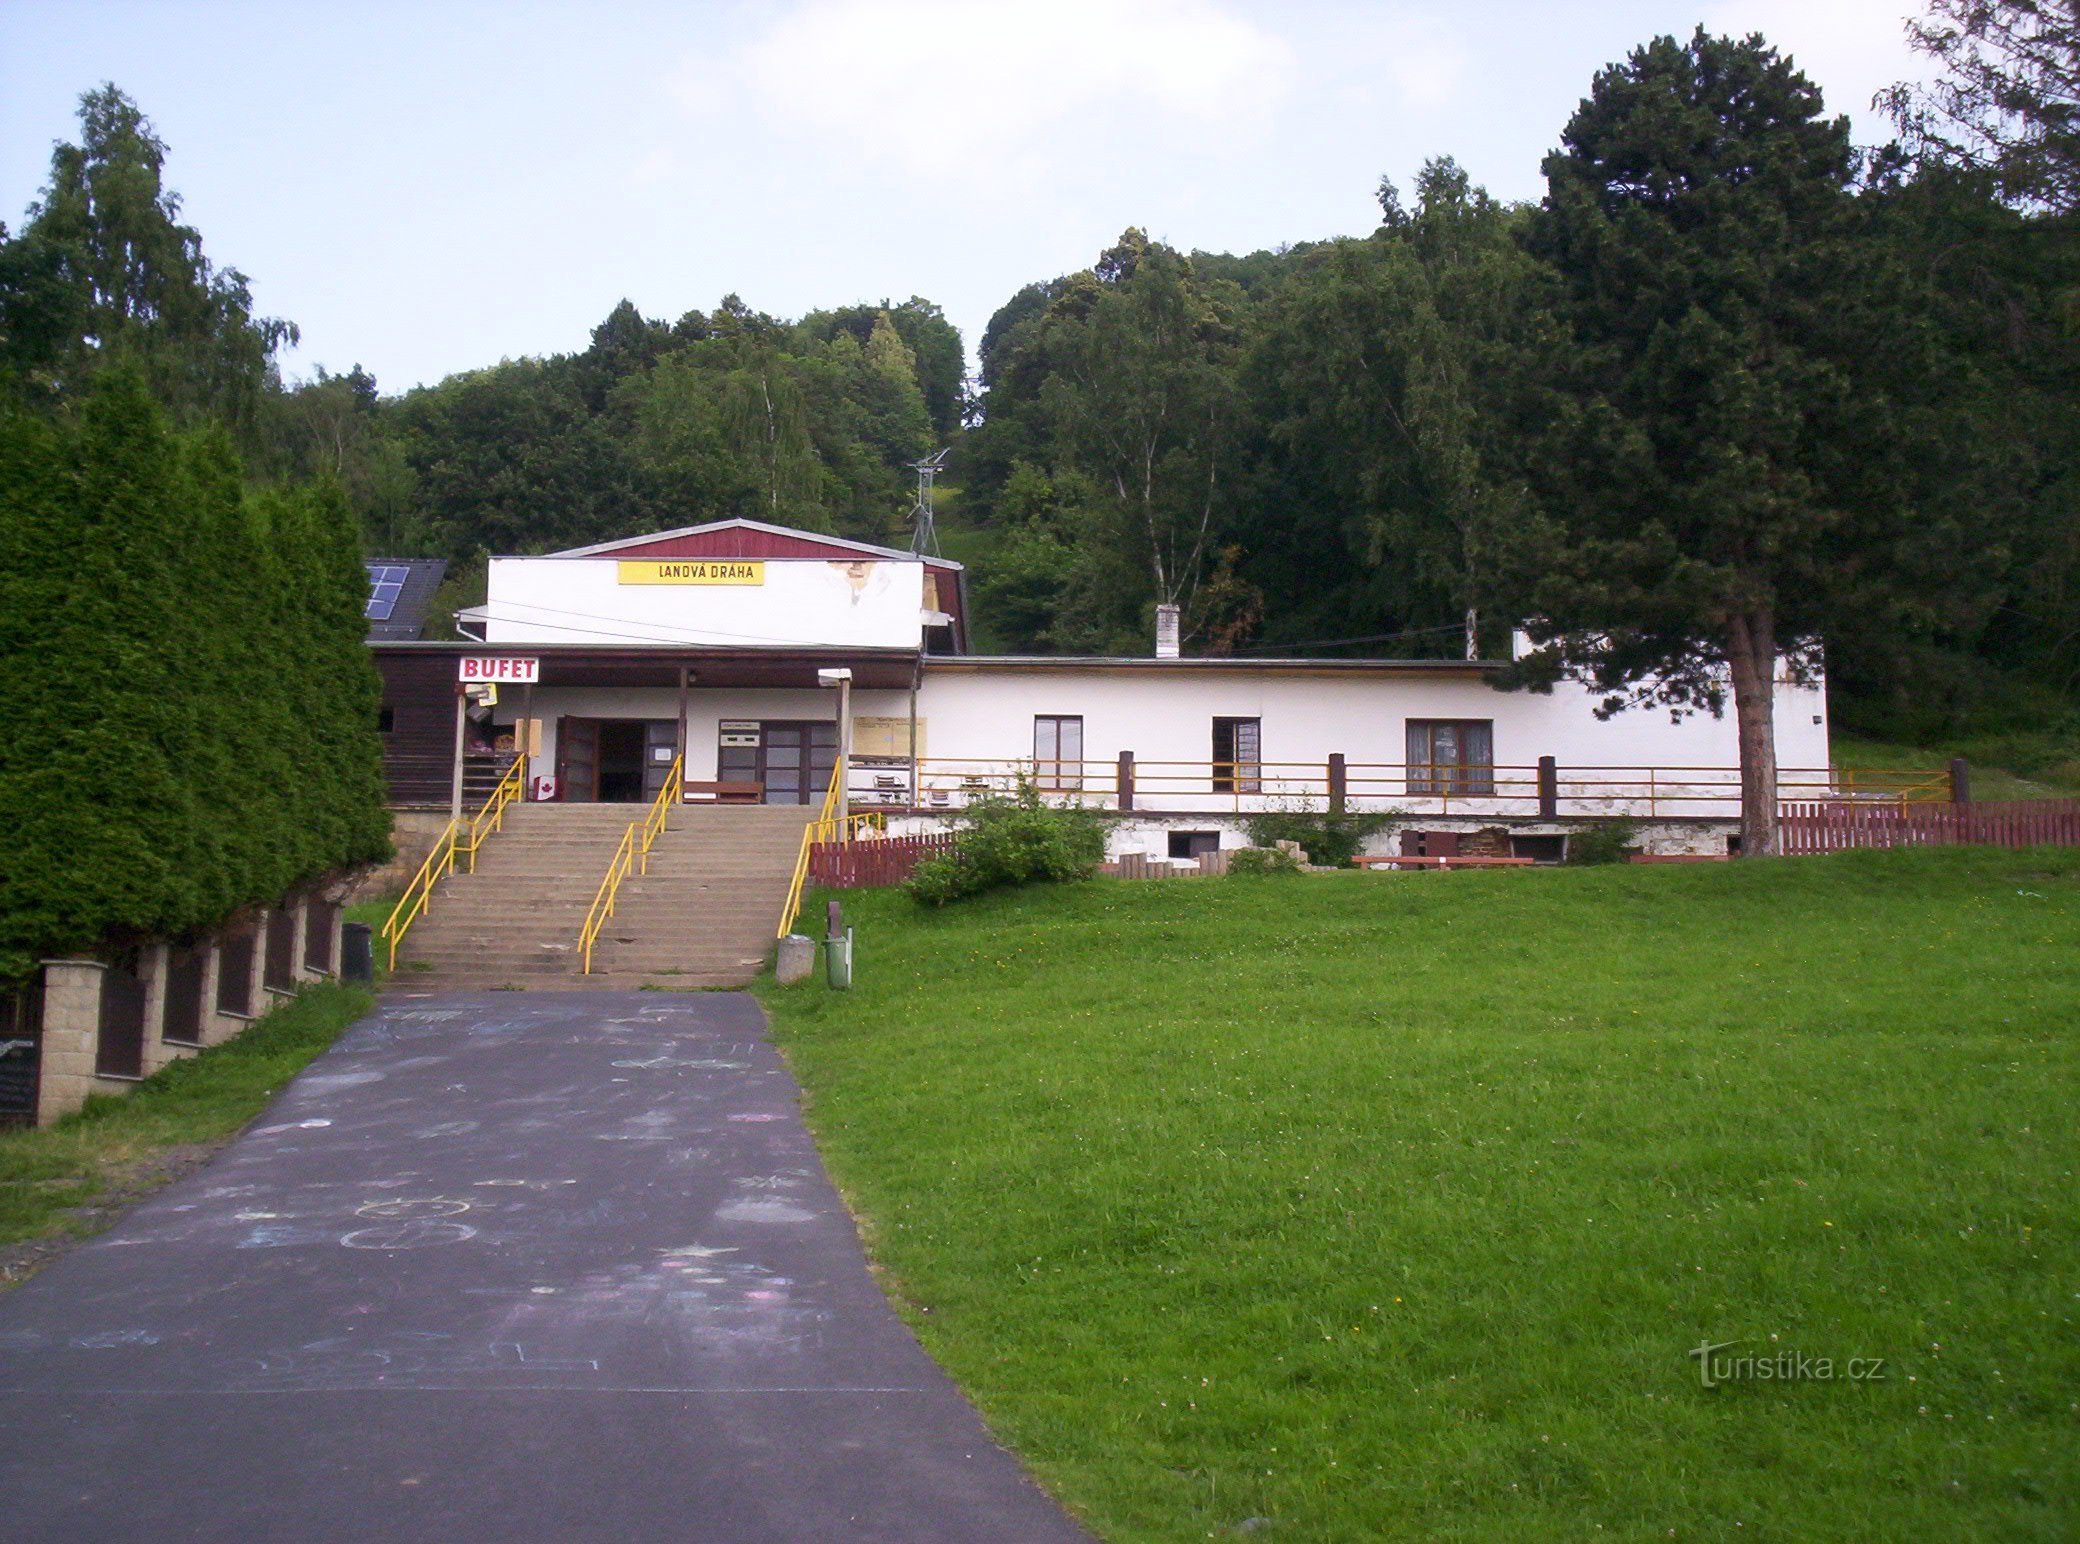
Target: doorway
(613,760)
(792,760)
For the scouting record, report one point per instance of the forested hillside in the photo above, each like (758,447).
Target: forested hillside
(1734,388)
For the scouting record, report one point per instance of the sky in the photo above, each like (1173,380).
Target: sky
(432,187)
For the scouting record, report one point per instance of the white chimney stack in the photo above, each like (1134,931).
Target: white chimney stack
(1166,632)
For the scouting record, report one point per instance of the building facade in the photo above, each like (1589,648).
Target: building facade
(734,645)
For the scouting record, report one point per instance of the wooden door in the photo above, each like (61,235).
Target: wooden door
(577,760)
(660,748)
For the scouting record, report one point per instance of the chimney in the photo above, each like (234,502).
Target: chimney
(1166,632)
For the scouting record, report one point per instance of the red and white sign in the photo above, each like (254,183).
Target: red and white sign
(500,667)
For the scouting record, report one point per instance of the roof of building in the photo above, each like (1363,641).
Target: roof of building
(762,540)
(400,595)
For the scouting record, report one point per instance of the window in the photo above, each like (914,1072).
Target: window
(386,720)
(1237,750)
(1451,756)
(1194,844)
(1057,752)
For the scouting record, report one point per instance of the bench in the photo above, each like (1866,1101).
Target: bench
(1409,860)
(725,793)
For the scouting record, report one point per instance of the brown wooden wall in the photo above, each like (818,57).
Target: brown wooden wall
(419,746)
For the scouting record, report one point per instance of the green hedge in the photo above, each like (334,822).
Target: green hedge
(187,719)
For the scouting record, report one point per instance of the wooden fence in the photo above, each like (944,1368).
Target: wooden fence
(884,860)
(1837,826)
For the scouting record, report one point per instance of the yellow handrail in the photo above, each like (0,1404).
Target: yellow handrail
(603,899)
(418,895)
(634,848)
(828,826)
(661,806)
(491,815)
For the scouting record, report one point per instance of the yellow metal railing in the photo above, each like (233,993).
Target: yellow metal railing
(828,826)
(634,849)
(455,838)
(603,898)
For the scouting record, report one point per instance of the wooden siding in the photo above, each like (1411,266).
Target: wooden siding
(419,749)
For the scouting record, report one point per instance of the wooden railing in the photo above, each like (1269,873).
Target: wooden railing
(1546,789)
(455,839)
(633,849)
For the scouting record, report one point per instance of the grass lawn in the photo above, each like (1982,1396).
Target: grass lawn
(77,1175)
(1388,1206)
(1988,782)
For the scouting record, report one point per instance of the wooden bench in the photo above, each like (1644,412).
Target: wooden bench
(725,793)
(1409,860)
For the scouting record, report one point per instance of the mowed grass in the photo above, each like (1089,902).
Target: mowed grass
(1388,1206)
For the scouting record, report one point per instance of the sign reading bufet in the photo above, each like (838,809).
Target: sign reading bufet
(500,667)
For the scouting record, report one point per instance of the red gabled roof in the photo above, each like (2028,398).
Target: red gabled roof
(747,539)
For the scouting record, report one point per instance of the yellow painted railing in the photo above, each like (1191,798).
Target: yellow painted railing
(455,838)
(603,898)
(828,825)
(634,849)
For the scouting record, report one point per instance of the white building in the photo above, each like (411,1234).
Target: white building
(716,644)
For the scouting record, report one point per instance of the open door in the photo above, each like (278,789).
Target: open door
(577,760)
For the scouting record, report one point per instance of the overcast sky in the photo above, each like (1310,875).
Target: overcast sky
(425,188)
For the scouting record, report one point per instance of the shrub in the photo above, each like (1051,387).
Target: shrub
(1610,841)
(1329,839)
(1263,860)
(1017,840)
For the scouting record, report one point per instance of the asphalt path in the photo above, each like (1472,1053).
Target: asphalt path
(505,1267)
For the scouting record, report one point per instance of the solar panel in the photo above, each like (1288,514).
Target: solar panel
(385,581)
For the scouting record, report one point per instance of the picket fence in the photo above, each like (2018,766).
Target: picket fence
(885,860)
(1839,825)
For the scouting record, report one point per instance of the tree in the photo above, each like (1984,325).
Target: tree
(104,271)
(1727,477)
(1385,383)
(2009,101)
(1141,397)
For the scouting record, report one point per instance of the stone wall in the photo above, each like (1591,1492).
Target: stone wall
(72,992)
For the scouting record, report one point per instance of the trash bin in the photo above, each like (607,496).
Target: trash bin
(357,960)
(837,960)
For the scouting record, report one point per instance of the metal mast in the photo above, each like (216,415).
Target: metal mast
(924,540)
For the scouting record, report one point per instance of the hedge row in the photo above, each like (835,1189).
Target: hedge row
(188,709)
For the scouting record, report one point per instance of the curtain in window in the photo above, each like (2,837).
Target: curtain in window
(1451,756)
(1057,753)
(1237,755)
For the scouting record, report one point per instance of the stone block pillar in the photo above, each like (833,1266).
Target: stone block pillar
(71,1032)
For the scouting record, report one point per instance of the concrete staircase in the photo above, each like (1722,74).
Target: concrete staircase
(703,916)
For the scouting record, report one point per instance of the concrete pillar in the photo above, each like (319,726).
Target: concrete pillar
(211,1029)
(71,1029)
(299,907)
(152,964)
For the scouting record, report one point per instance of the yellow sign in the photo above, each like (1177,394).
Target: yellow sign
(693,571)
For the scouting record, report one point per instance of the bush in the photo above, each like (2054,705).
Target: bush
(1330,840)
(1611,841)
(1018,840)
(1263,860)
